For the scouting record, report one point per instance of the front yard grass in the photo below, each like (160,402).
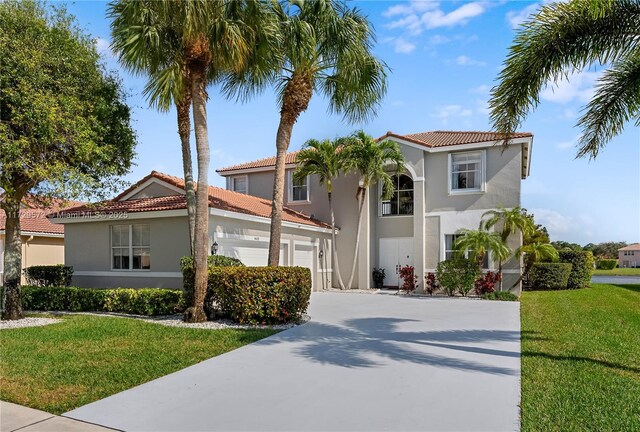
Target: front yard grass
(62,366)
(581,359)
(618,272)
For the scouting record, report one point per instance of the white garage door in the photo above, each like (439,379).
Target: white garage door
(250,252)
(303,257)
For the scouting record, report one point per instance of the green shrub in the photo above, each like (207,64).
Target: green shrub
(457,275)
(549,276)
(606,264)
(500,295)
(143,301)
(581,270)
(260,295)
(49,275)
(189,271)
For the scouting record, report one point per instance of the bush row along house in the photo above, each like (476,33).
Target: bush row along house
(451,179)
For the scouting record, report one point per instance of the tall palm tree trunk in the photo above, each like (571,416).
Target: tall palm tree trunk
(199,59)
(183,109)
(362,196)
(334,247)
(295,101)
(12,259)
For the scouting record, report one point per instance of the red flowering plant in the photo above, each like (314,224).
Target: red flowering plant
(431,283)
(410,280)
(486,284)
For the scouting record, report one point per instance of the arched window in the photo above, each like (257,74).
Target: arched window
(401,203)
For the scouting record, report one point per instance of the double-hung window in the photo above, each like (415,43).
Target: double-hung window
(240,184)
(298,189)
(451,252)
(466,172)
(130,247)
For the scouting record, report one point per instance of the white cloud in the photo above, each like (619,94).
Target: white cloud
(557,224)
(397,103)
(460,16)
(468,61)
(483,107)
(564,145)
(516,18)
(103,47)
(420,15)
(578,86)
(568,114)
(482,89)
(446,112)
(403,47)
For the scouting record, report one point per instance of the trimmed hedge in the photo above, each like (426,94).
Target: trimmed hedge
(606,264)
(143,301)
(581,270)
(49,275)
(189,271)
(500,295)
(457,275)
(260,295)
(549,276)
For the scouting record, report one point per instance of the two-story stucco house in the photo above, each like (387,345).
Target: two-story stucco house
(451,180)
(629,256)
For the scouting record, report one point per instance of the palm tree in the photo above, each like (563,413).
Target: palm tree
(370,160)
(325,47)
(479,242)
(569,36)
(154,51)
(186,46)
(510,221)
(322,159)
(534,253)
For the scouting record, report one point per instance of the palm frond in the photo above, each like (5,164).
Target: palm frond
(615,102)
(561,38)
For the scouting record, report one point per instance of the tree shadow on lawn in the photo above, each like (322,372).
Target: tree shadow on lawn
(632,287)
(581,359)
(360,343)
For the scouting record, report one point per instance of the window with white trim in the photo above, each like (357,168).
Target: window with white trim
(401,203)
(467,171)
(298,189)
(240,184)
(450,251)
(130,247)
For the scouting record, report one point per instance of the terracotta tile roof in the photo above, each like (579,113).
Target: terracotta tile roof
(427,139)
(631,247)
(34,219)
(260,163)
(449,138)
(219,198)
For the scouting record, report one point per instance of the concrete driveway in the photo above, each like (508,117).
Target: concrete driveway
(364,363)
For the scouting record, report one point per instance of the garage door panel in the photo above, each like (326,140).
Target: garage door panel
(250,252)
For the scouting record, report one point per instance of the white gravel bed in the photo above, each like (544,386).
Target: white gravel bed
(27,322)
(176,321)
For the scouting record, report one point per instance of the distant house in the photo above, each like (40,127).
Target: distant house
(42,240)
(629,256)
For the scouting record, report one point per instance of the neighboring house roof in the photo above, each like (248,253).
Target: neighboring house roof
(260,163)
(219,198)
(33,220)
(450,138)
(631,247)
(431,139)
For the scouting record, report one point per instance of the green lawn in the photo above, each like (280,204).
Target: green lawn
(618,272)
(62,366)
(581,359)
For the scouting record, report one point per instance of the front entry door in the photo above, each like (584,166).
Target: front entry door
(395,253)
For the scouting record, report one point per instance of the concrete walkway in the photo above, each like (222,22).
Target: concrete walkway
(364,363)
(19,418)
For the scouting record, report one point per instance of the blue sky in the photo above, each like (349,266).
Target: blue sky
(444,57)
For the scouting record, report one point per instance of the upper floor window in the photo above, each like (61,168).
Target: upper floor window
(298,189)
(466,172)
(130,247)
(401,203)
(450,250)
(240,184)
